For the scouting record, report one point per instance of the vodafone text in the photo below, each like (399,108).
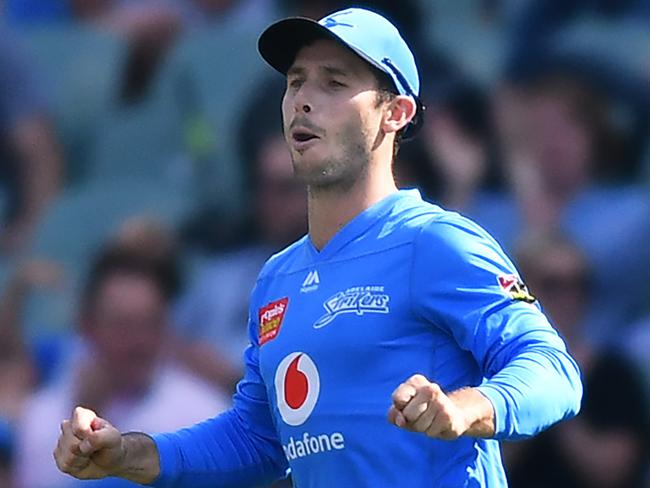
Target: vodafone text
(308,445)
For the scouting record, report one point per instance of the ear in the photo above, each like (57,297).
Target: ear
(399,112)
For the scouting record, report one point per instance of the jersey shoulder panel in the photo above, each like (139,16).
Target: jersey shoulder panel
(407,218)
(456,232)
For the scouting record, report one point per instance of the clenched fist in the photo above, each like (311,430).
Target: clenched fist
(89,447)
(421,406)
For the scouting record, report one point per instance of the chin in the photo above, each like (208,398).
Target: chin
(305,166)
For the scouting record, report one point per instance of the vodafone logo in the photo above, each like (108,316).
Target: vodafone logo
(297,386)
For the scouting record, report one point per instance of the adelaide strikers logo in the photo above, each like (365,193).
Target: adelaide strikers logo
(297,386)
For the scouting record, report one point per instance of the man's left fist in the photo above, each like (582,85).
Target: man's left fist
(421,406)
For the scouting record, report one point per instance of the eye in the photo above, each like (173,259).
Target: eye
(336,84)
(295,83)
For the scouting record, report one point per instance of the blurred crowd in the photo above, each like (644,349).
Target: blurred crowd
(144,181)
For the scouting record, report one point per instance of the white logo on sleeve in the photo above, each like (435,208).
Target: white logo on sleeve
(311,282)
(297,386)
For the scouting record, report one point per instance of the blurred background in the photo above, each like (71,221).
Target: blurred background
(144,181)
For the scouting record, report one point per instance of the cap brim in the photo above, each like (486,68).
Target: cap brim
(281,41)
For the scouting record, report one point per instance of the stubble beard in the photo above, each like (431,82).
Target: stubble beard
(338,173)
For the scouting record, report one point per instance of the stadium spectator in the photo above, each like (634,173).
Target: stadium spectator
(556,136)
(118,364)
(606,446)
(212,316)
(456,158)
(31,167)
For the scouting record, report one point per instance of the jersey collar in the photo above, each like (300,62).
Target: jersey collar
(360,224)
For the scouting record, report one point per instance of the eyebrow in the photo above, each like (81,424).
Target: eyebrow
(331,70)
(295,70)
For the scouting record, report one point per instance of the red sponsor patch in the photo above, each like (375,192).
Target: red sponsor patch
(270,319)
(507,282)
(515,288)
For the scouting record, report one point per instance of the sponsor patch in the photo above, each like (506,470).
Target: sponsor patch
(515,288)
(297,386)
(270,319)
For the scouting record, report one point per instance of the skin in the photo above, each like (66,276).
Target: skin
(331,94)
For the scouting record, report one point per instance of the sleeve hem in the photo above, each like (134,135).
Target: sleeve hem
(168,459)
(498,404)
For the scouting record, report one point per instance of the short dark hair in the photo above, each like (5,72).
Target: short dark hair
(386,92)
(162,273)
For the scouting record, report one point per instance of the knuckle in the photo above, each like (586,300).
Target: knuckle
(429,391)
(396,394)
(418,380)
(78,431)
(431,431)
(65,466)
(444,417)
(420,426)
(403,394)
(410,417)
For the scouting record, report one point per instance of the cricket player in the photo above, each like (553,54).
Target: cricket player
(394,345)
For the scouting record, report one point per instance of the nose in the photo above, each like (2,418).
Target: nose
(301,103)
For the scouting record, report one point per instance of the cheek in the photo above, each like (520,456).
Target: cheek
(359,125)
(287,110)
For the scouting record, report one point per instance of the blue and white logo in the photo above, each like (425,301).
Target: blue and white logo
(311,282)
(331,20)
(358,300)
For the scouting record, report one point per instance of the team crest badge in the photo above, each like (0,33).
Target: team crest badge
(270,319)
(515,288)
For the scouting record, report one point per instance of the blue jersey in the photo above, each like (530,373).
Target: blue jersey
(404,288)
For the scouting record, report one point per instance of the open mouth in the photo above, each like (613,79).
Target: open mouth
(302,135)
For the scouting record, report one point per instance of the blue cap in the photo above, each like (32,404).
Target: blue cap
(366,33)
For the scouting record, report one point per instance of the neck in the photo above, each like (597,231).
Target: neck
(331,208)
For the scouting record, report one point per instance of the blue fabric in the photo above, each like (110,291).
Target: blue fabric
(6,440)
(602,221)
(404,288)
(26,11)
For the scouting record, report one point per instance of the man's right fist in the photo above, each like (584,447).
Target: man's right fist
(89,447)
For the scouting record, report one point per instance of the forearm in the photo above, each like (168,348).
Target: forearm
(478,411)
(140,462)
(540,386)
(221,451)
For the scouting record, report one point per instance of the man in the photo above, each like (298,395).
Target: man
(385,288)
(118,365)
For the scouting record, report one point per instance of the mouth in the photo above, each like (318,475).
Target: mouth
(302,138)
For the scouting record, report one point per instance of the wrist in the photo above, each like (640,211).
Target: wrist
(137,459)
(477,410)
(120,468)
